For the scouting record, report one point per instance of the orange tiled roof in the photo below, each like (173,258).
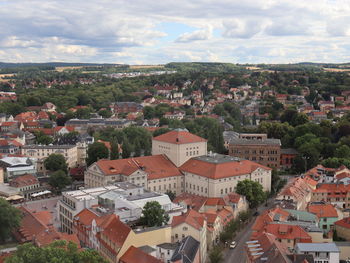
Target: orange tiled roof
(284,231)
(195,202)
(326,210)
(179,137)
(156,166)
(192,218)
(220,170)
(135,255)
(345,222)
(297,188)
(115,230)
(214,201)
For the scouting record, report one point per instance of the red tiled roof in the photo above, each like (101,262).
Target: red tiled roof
(24,180)
(156,166)
(234,197)
(192,218)
(8,123)
(214,201)
(179,137)
(220,170)
(284,231)
(345,222)
(326,210)
(115,230)
(135,255)
(195,202)
(297,188)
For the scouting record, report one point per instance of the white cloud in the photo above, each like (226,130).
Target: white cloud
(129,31)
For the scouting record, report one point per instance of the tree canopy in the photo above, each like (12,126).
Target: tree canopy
(253,191)
(58,251)
(55,162)
(153,215)
(10,219)
(59,180)
(96,151)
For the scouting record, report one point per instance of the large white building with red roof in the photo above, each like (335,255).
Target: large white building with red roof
(216,175)
(179,145)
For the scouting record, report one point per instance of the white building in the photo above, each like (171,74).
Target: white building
(179,146)
(322,252)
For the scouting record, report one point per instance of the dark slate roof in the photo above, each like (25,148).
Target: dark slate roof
(187,250)
(255,142)
(170,246)
(289,151)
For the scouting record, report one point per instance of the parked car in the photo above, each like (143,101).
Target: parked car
(233,244)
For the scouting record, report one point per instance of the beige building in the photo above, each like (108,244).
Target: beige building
(217,175)
(179,145)
(191,224)
(155,173)
(74,154)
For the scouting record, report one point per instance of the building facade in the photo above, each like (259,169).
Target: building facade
(179,146)
(265,151)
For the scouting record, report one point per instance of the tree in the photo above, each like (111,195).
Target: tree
(342,152)
(55,162)
(171,194)
(96,151)
(253,191)
(153,215)
(215,255)
(10,219)
(137,149)
(59,180)
(114,155)
(126,148)
(58,251)
(160,131)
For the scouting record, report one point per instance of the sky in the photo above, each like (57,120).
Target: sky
(162,31)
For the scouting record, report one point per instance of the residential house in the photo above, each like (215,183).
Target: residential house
(322,252)
(336,194)
(187,251)
(26,185)
(343,228)
(327,215)
(192,224)
(296,193)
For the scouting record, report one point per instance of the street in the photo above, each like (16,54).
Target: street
(238,255)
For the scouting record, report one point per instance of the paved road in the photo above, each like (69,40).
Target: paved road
(238,255)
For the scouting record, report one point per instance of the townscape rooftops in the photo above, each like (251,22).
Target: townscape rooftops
(317,247)
(38,146)
(90,193)
(192,218)
(323,210)
(136,255)
(179,136)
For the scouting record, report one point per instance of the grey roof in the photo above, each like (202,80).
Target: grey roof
(147,249)
(217,158)
(302,215)
(186,250)
(170,246)
(256,142)
(230,135)
(37,146)
(289,151)
(317,247)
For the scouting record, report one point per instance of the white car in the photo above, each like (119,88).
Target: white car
(233,244)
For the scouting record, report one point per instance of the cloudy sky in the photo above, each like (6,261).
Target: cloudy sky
(161,31)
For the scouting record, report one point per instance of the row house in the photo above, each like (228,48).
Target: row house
(334,193)
(296,194)
(112,238)
(328,214)
(125,107)
(326,106)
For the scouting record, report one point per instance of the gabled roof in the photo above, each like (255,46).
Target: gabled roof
(136,255)
(156,166)
(195,202)
(115,230)
(192,218)
(186,251)
(284,231)
(217,170)
(24,180)
(345,222)
(179,136)
(323,210)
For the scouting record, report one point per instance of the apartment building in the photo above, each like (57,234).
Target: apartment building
(179,146)
(263,151)
(216,175)
(155,173)
(74,154)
